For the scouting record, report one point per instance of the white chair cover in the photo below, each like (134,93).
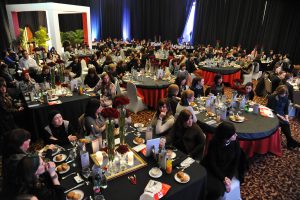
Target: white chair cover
(136,104)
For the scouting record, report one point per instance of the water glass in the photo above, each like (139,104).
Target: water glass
(86,172)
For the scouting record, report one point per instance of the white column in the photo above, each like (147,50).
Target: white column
(54,30)
(88,16)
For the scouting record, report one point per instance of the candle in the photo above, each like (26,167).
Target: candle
(99,157)
(130,158)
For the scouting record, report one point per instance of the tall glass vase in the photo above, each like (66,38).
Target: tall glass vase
(110,146)
(122,126)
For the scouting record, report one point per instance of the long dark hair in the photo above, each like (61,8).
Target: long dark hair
(26,172)
(161,103)
(183,117)
(13,141)
(91,108)
(216,78)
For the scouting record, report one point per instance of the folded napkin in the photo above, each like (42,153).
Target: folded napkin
(155,190)
(188,161)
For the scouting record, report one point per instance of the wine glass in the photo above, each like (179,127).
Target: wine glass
(86,172)
(125,129)
(72,156)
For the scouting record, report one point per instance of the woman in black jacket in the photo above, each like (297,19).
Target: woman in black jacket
(279,103)
(187,136)
(37,178)
(91,78)
(224,160)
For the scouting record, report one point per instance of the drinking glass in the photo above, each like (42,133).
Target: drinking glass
(86,172)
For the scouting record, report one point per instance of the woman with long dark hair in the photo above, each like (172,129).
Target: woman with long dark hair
(187,136)
(198,86)
(37,178)
(93,122)
(163,119)
(186,98)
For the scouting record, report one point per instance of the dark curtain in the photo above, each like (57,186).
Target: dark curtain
(5,36)
(66,19)
(230,21)
(33,19)
(159,17)
(96,19)
(281,28)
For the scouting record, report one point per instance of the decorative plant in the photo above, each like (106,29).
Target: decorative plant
(41,37)
(73,37)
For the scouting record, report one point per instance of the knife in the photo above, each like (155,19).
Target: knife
(77,186)
(70,161)
(68,175)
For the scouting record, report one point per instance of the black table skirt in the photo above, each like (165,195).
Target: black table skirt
(36,118)
(121,188)
(253,128)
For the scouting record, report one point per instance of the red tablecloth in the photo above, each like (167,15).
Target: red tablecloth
(270,144)
(227,78)
(151,96)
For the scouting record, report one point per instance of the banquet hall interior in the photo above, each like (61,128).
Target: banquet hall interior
(150,99)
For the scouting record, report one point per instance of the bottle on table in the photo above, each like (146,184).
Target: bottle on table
(149,131)
(169,164)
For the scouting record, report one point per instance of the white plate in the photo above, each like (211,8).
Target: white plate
(78,192)
(159,174)
(64,156)
(62,172)
(173,155)
(138,125)
(134,142)
(42,152)
(178,179)
(53,98)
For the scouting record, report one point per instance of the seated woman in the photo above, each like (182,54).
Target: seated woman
(218,86)
(248,91)
(107,89)
(76,67)
(59,131)
(37,178)
(93,122)
(198,86)
(224,160)
(91,79)
(187,136)
(172,99)
(278,80)
(7,110)
(94,61)
(27,84)
(44,76)
(279,103)
(15,147)
(186,98)
(163,119)
(182,71)
(181,82)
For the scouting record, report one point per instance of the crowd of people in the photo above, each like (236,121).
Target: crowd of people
(174,117)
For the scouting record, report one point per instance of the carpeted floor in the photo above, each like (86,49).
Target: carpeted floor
(270,177)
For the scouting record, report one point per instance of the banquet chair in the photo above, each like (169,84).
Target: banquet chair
(84,69)
(119,90)
(256,73)
(268,86)
(248,77)
(235,193)
(136,104)
(82,128)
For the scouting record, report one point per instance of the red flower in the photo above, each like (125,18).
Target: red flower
(110,113)
(120,101)
(122,149)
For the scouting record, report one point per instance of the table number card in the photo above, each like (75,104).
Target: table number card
(85,161)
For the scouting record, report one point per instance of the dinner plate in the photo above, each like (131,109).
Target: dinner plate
(173,155)
(55,151)
(178,179)
(64,171)
(77,192)
(238,121)
(53,98)
(157,175)
(134,142)
(64,156)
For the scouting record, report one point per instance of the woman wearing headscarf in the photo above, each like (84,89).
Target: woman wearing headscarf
(224,160)
(59,131)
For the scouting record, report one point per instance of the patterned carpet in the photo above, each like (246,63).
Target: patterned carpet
(269,177)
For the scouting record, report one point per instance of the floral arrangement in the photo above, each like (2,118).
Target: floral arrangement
(122,149)
(110,113)
(120,101)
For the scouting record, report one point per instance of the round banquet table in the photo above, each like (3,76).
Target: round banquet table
(150,90)
(229,74)
(257,134)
